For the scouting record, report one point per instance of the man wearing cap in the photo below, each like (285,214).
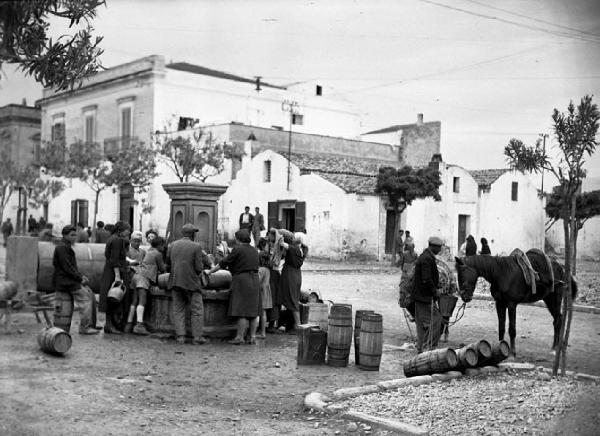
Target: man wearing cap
(186,260)
(425,292)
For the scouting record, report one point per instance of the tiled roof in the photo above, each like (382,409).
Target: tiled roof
(353,175)
(197,69)
(487,177)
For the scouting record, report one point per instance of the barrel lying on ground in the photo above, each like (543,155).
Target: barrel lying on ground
(339,335)
(54,340)
(371,342)
(500,352)
(430,362)
(484,351)
(467,357)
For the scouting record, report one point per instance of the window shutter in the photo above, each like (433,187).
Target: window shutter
(74,212)
(300,223)
(273,214)
(515,191)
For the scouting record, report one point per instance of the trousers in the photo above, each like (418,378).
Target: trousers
(182,299)
(429,328)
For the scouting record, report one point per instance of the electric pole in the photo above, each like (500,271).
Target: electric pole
(292,108)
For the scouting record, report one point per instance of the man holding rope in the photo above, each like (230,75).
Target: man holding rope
(425,294)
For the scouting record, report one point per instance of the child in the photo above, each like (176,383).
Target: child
(147,275)
(264,277)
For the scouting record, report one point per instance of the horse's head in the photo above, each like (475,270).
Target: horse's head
(467,279)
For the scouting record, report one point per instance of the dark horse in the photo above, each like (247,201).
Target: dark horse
(508,287)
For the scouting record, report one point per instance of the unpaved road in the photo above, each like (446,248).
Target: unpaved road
(143,385)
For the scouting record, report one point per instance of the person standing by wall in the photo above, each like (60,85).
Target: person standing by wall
(485,247)
(82,234)
(471,246)
(101,234)
(68,280)
(425,293)
(186,260)
(246,219)
(258,225)
(7,229)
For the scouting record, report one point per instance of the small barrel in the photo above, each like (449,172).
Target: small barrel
(220,279)
(484,351)
(467,357)
(430,362)
(54,340)
(63,310)
(447,304)
(500,351)
(318,314)
(8,290)
(339,335)
(163,281)
(312,343)
(358,316)
(371,342)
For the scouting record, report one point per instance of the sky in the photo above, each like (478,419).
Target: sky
(488,70)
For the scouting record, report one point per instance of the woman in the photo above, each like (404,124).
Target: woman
(276,254)
(291,277)
(264,276)
(471,247)
(116,269)
(485,247)
(244,301)
(407,265)
(221,248)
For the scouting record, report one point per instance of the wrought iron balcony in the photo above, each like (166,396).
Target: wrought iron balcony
(113,145)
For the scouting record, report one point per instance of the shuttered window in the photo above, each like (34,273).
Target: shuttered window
(515,191)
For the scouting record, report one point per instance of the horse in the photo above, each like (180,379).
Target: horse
(509,288)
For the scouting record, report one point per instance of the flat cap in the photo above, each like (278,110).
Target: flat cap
(188,229)
(436,240)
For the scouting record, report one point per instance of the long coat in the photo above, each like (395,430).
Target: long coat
(116,257)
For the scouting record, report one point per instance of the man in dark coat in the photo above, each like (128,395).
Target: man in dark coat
(246,219)
(425,293)
(101,234)
(186,260)
(258,224)
(68,280)
(7,229)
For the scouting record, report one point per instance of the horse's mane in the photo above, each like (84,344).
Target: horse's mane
(490,266)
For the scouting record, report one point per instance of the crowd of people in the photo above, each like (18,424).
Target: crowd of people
(265,290)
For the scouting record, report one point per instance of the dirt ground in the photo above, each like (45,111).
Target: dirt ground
(144,385)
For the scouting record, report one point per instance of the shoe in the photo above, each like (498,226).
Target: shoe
(128,327)
(199,341)
(88,331)
(261,336)
(235,342)
(95,327)
(251,341)
(140,329)
(111,330)
(180,340)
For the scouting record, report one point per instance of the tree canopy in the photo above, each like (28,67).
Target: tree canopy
(587,206)
(61,62)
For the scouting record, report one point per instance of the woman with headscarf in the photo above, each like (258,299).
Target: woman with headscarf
(291,276)
(407,265)
(471,247)
(116,270)
(244,301)
(485,247)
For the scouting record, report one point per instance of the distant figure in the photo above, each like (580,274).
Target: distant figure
(102,234)
(32,224)
(45,234)
(246,219)
(471,246)
(400,247)
(222,249)
(82,234)
(485,248)
(42,223)
(7,229)
(258,225)
(408,239)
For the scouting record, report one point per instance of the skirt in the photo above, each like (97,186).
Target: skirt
(264,276)
(245,298)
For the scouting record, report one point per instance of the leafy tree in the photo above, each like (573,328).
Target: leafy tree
(133,165)
(43,190)
(193,153)
(403,186)
(60,63)
(11,178)
(587,206)
(575,133)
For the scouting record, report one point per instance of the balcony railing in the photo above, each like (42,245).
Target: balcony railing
(113,145)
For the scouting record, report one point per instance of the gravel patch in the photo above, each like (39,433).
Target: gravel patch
(494,404)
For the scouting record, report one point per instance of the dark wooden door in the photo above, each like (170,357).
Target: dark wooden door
(462,229)
(273,214)
(300,218)
(390,222)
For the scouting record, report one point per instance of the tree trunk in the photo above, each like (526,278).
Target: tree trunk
(395,242)
(563,309)
(575,234)
(569,300)
(96,209)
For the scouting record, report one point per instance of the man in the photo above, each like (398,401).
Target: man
(186,260)
(425,293)
(68,280)
(246,219)
(102,234)
(32,225)
(82,234)
(400,247)
(258,224)
(7,229)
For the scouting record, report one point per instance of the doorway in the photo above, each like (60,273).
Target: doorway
(288,218)
(126,204)
(390,223)
(463,229)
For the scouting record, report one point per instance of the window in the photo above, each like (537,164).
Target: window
(58,128)
(89,125)
(267,171)
(297,119)
(515,191)
(79,212)
(319,90)
(126,106)
(456,185)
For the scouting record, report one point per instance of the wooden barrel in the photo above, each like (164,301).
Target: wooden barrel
(63,310)
(163,280)
(90,262)
(430,362)
(484,351)
(54,340)
(7,290)
(500,351)
(312,343)
(318,314)
(218,280)
(358,316)
(371,342)
(467,357)
(339,335)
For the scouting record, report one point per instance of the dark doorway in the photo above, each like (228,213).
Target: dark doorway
(288,219)
(126,203)
(390,222)
(463,222)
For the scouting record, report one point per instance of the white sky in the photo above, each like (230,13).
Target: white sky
(488,70)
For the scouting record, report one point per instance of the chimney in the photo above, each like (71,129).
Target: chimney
(24,102)
(419,119)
